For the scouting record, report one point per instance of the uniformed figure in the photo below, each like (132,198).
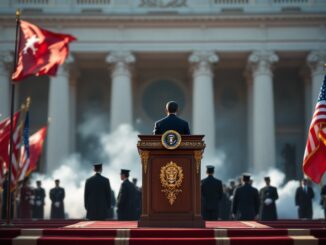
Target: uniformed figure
(303,199)
(211,194)
(268,196)
(323,199)
(171,121)
(97,195)
(245,204)
(231,189)
(225,205)
(126,198)
(26,201)
(39,196)
(138,199)
(57,194)
(4,199)
(113,203)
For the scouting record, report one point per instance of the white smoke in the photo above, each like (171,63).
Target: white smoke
(121,150)
(286,208)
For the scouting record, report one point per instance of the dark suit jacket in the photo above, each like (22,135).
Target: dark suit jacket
(211,193)
(97,197)
(171,122)
(304,201)
(126,202)
(245,202)
(57,194)
(268,212)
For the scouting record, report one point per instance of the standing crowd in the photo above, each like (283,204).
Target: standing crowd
(29,202)
(237,201)
(242,201)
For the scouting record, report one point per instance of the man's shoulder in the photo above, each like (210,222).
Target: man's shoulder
(161,120)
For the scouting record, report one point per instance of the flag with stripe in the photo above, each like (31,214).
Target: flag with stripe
(314,160)
(25,152)
(5,141)
(35,149)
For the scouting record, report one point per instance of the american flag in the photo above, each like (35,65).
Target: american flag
(25,151)
(314,160)
(4,146)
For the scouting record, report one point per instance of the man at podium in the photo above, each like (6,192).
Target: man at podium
(171,121)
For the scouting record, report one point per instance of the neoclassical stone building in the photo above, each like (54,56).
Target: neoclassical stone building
(246,73)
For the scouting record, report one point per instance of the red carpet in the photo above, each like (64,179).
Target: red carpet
(116,232)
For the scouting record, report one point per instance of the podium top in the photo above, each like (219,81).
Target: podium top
(188,142)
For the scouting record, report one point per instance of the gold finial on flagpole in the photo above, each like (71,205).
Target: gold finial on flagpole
(28,102)
(17,14)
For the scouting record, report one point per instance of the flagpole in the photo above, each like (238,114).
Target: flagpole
(12,123)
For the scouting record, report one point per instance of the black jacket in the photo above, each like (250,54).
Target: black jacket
(97,197)
(268,212)
(304,201)
(57,195)
(211,193)
(126,202)
(171,122)
(245,202)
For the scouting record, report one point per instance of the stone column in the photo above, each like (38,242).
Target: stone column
(58,140)
(73,103)
(305,75)
(316,61)
(263,110)
(249,81)
(121,96)
(203,97)
(5,59)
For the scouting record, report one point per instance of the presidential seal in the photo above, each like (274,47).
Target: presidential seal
(171,179)
(171,139)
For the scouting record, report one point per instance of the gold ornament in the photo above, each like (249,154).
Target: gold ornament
(171,179)
(144,159)
(198,157)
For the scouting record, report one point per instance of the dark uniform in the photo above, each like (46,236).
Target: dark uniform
(25,202)
(245,204)
(4,201)
(39,196)
(211,194)
(113,203)
(97,197)
(303,199)
(126,199)
(138,199)
(268,196)
(57,194)
(225,205)
(323,199)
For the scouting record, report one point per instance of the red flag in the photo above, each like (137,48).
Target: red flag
(35,149)
(40,51)
(4,144)
(314,160)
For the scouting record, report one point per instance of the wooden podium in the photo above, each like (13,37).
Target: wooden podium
(171,194)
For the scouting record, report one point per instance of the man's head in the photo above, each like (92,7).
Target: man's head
(246,178)
(304,182)
(267,180)
(134,181)
(57,182)
(232,183)
(171,107)
(38,183)
(210,169)
(98,167)
(124,174)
